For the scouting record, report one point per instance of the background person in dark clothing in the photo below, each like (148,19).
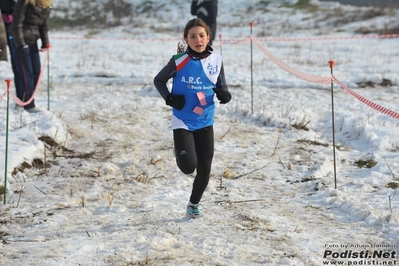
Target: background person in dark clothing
(3,41)
(7,8)
(29,24)
(206,10)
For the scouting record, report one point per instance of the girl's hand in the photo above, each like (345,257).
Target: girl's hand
(223,96)
(176,101)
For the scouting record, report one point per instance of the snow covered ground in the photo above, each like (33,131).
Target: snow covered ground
(108,192)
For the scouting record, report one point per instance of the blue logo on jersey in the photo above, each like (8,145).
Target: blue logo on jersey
(212,70)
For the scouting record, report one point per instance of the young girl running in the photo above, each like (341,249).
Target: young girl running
(197,76)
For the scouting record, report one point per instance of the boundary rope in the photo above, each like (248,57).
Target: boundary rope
(235,40)
(325,80)
(369,103)
(305,76)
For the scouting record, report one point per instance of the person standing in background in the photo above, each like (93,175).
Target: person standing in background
(7,8)
(206,10)
(29,23)
(3,40)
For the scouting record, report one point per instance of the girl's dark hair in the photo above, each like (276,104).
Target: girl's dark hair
(194,23)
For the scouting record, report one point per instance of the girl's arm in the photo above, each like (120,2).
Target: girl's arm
(221,90)
(221,81)
(160,80)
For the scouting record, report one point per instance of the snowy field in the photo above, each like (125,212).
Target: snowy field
(104,188)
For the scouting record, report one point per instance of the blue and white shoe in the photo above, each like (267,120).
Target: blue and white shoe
(193,211)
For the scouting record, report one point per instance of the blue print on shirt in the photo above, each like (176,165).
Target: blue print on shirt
(196,81)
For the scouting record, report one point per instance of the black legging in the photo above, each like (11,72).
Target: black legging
(194,151)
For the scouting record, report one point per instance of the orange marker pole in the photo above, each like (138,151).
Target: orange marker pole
(333,122)
(48,80)
(251,24)
(8,81)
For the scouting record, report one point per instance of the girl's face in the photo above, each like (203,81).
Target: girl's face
(197,39)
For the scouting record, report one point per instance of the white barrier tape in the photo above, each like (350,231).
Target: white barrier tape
(235,40)
(328,38)
(369,103)
(304,76)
